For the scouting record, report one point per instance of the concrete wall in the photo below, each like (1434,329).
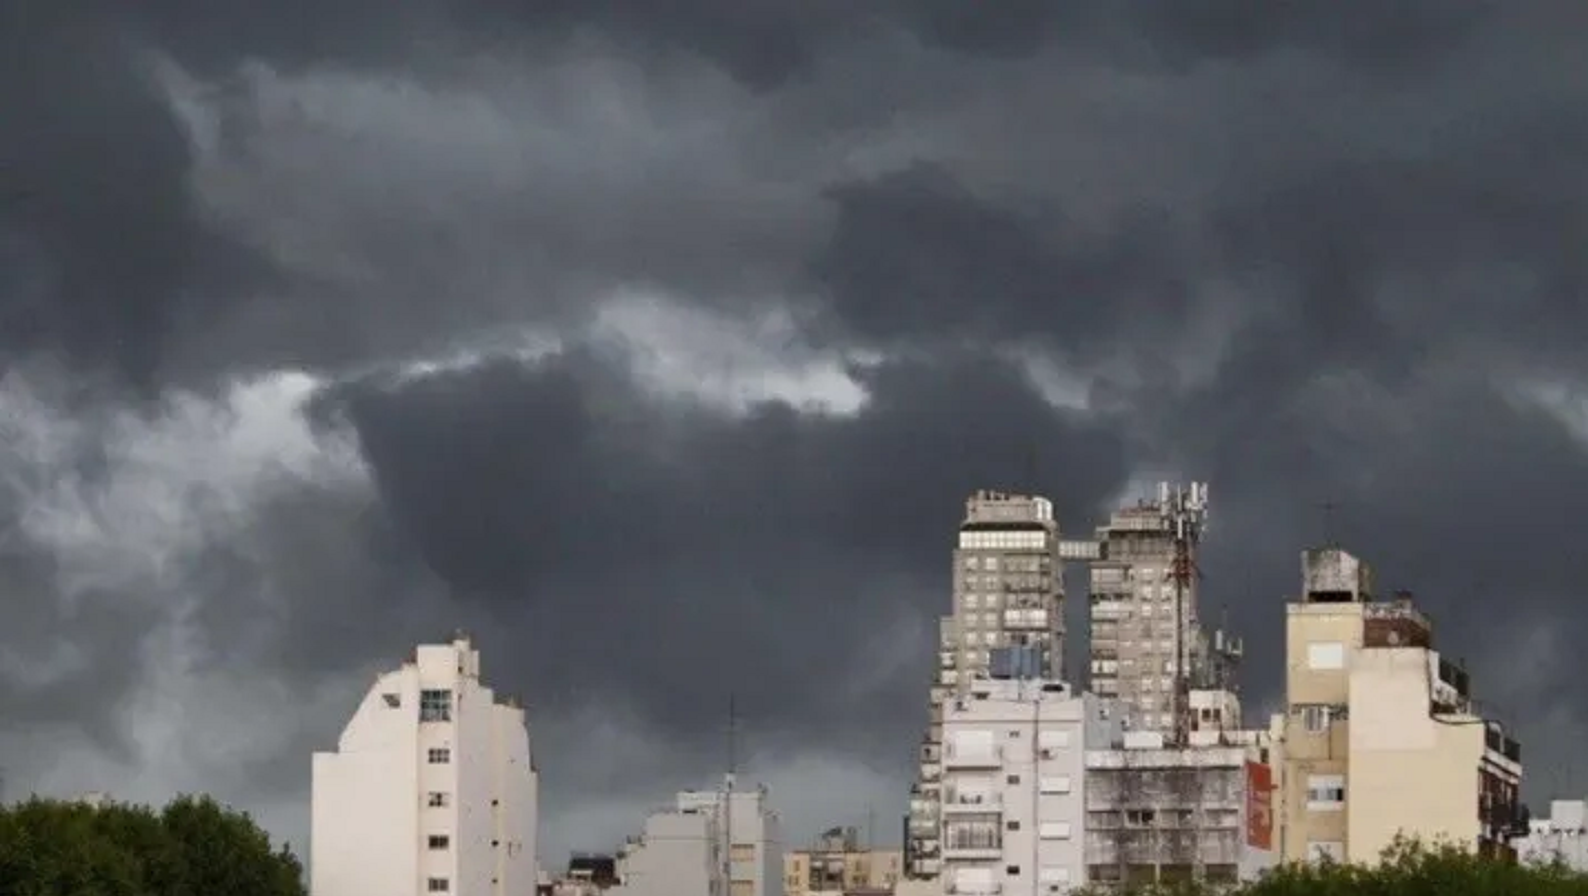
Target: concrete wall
(1408,773)
(676,856)
(1562,836)
(1014,769)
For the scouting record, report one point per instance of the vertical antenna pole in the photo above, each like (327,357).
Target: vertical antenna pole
(727,799)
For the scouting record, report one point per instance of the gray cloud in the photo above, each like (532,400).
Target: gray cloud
(659,350)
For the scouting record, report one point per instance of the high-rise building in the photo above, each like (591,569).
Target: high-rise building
(1149,647)
(431,789)
(1380,734)
(1008,592)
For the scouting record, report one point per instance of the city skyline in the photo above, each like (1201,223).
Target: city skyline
(659,348)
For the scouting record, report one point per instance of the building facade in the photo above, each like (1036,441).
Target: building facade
(1380,735)
(1149,648)
(1159,813)
(1008,593)
(710,843)
(432,788)
(838,864)
(1013,810)
(1562,837)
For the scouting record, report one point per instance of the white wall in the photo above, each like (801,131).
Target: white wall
(1039,738)
(1563,835)
(676,856)
(364,815)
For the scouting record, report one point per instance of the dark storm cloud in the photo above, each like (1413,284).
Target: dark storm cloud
(690,554)
(101,258)
(913,253)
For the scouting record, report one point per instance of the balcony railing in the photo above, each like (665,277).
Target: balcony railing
(972,801)
(990,756)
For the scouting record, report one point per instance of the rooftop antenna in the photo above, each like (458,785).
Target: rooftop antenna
(1329,506)
(727,797)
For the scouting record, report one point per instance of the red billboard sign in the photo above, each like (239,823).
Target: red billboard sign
(1259,806)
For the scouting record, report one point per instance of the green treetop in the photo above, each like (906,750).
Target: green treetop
(193,847)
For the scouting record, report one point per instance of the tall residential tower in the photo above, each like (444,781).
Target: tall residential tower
(1149,648)
(1008,593)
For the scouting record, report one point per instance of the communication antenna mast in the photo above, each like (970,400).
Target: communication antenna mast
(727,797)
(1184,513)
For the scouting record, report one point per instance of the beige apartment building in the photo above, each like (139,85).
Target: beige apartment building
(1380,733)
(1149,648)
(839,865)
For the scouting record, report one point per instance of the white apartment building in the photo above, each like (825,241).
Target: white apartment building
(1563,836)
(707,844)
(1013,766)
(432,788)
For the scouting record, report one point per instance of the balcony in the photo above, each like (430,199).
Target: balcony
(972,852)
(972,802)
(990,756)
(978,888)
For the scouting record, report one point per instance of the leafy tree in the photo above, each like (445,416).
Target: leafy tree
(194,847)
(1408,868)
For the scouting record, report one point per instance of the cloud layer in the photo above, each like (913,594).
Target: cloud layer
(660,350)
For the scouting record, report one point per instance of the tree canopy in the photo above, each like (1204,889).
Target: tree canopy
(193,847)
(1408,868)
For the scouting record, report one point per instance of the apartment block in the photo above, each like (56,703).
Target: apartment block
(709,843)
(1381,737)
(1562,837)
(1013,764)
(431,789)
(838,864)
(1159,813)
(1008,593)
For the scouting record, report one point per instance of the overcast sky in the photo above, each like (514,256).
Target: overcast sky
(658,344)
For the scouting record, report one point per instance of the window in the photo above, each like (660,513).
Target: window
(1325,655)
(440,755)
(1056,740)
(1012,779)
(1054,874)
(1325,793)
(439,841)
(436,800)
(1012,870)
(1055,830)
(393,701)
(438,885)
(435,706)
(1316,718)
(1055,784)
(1013,825)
